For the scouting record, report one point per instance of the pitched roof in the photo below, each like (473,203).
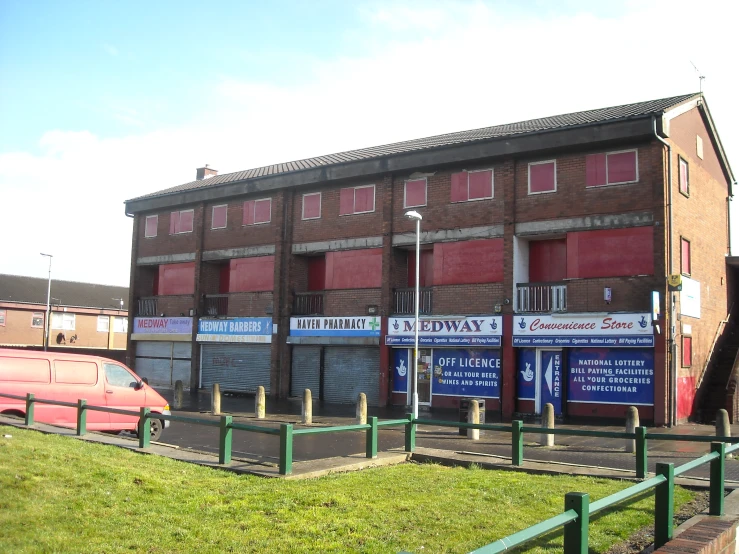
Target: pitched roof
(32,290)
(589,117)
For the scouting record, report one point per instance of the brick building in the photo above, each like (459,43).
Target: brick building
(85,318)
(546,248)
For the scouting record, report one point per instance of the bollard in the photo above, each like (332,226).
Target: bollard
(178,393)
(473,416)
(632,422)
(361,409)
(260,403)
(215,399)
(723,429)
(307,407)
(547,422)
(81,417)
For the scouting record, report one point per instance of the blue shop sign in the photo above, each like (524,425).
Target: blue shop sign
(401,368)
(239,329)
(466,372)
(605,376)
(526,374)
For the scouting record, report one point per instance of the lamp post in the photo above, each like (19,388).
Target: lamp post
(415,215)
(48,305)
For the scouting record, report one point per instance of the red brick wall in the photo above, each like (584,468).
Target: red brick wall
(164,243)
(237,235)
(249,304)
(350,302)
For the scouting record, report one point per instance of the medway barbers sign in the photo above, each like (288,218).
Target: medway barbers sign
(335,326)
(240,329)
(612,330)
(445,331)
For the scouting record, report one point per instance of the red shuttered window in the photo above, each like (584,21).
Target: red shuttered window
(312,205)
(543,177)
(220,214)
(687,351)
(181,222)
(357,200)
(257,211)
(415,193)
(612,168)
(150,229)
(684,256)
(472,185)
(683,177)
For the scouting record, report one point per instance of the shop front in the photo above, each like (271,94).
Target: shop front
(459,357)
(585,365)
(236,353)
(163,349)
(336,358)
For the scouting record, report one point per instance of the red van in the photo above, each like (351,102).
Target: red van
(70,377)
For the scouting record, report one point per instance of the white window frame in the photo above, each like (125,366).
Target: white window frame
(37,315)
(3,315)
(123,325)
(320,205)
(492,184)
(105,321)
(193,222)
(146,226)
(608,184)
(542,162)
(426,193)
(680,162)
(374,199)
(212,214)
(68,321)
(255,200)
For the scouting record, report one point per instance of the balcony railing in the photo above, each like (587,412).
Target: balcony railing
(216,304)
(541,297)
(404,301)
(147,307)
(308,303)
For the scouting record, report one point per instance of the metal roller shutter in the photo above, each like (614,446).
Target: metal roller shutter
(236,367)
(348,371)
(163,363)
(306,371)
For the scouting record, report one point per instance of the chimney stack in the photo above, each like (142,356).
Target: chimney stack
(205,172)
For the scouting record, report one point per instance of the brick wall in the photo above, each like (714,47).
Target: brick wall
(350,302)
(713,535)
(250,304)
(174,306)
(633,294)
(164,243)
(236,234)
(468,299)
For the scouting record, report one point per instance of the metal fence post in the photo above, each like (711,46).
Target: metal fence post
(224,440)
(81,417)
(286,449)
(576,532)
(372,437)
(144,428)
(641,452)
(410,434)
(716,492)
(664,505)
(30,407)
(517,443)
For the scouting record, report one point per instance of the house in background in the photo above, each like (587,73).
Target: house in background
(86,318)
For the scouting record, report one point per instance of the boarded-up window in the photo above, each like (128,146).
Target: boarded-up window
(415,193)
(547,260)
(251,274)
(684,177)
(687,351)
(611,168)
(357,200)
(257,211)
(354,269)
(76,373)
(151,226)
(176,279)
(181,222)
(542,177)
(312,205)
(684,256)
(472,185)
(31,370)
(471,261)
(220,215)
(610,253)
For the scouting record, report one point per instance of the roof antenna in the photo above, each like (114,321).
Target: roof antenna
(700,77)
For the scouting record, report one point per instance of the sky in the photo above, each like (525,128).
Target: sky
(104,101)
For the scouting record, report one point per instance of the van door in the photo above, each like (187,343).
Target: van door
(121,393)
(75,380)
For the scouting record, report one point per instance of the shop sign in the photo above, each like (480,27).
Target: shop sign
(445,331)
(162,325)
(240,329)
(605,376)
(612,330)
(456,372)
(690,298)
(335,326)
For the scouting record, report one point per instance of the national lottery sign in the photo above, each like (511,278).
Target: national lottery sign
(612,330)
(445,331)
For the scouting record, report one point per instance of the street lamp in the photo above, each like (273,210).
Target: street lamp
(48,305)
(415,215)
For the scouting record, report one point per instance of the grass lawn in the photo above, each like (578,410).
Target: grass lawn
(58,494)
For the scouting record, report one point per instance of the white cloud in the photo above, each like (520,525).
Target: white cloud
(423,71)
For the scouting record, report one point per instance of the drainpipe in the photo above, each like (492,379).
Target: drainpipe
(670,304)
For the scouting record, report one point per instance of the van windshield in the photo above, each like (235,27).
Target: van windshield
(118,376)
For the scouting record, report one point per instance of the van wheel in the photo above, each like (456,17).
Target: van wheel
(157,426)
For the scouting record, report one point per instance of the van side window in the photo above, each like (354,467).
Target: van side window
(118,376)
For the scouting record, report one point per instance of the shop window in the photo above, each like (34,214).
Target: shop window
(257,211)
(472,185)
(357,200)
(611,168)
(37,320)
(219,217)
(415,193)
(684,256)
(683,176)
(543,177)
(103,324)
(150,230)
(63,321)
(181,222)
(687,351)
(312,205)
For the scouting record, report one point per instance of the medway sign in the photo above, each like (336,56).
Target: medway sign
(240,329)
(612,330)
(335,326)
(446,331)
(162,325)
